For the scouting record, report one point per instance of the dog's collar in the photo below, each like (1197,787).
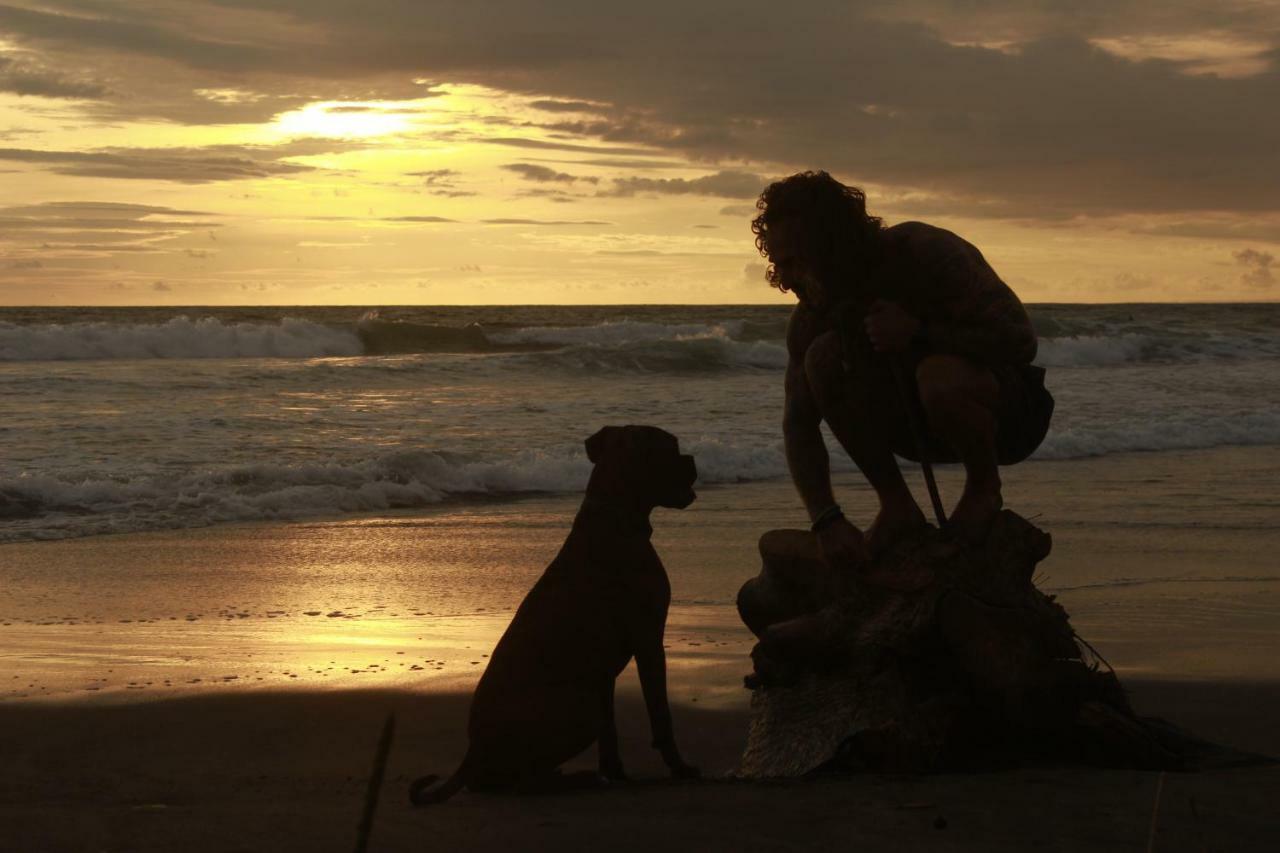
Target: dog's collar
(626,518)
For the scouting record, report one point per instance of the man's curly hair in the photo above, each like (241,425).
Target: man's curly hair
(833,226)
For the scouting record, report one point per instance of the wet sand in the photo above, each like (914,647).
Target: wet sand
(223,688)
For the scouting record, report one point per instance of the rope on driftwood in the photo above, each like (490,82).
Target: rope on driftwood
(1097,654)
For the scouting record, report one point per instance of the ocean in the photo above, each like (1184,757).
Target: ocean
(133,419)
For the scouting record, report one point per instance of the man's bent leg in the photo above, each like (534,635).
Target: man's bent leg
(959,399)
(845,407)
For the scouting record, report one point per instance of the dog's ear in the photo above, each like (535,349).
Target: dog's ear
(602,442)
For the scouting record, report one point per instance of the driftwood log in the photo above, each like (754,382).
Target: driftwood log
(937,657)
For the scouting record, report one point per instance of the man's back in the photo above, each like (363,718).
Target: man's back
(944,281)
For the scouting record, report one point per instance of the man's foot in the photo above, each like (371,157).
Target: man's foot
(971,520)
(892,525)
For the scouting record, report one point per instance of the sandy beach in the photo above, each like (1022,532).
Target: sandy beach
(286,771)
(222,688)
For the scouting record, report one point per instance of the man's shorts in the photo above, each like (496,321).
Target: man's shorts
(1023,411)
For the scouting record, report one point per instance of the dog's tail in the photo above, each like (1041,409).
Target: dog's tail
(422,794)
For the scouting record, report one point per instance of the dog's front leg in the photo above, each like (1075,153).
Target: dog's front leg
(651,662)
(610,760)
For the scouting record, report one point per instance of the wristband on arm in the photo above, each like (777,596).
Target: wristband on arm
(826,518)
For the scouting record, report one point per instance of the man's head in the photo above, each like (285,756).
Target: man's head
(816,233)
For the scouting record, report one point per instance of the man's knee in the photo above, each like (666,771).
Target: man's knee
(947,381)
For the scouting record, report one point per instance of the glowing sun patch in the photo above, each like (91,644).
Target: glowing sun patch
(346,119)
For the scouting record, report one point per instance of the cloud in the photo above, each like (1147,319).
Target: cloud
(180,165)
(543,174)
(550,194)
(728,184)
(553,106)
(1216,227)
(96,209)
(24,79)
(441,182)
(1032,110)
(97,226)
(416,219)
(160,287)
(522,142)
(1210,25)
(437,177)
(1131,282)
(513,221)
(1259,268)
(621,163)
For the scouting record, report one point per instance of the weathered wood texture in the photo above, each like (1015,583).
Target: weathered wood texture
(937,657)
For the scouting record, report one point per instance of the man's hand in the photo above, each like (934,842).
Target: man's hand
(843,545)
(889,327)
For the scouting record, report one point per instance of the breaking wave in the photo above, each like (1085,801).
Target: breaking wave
(620,345)
(180,337)
(45,507)
(1127,348)
(1191,431)
(48,507)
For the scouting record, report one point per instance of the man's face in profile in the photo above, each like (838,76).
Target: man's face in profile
(794,268)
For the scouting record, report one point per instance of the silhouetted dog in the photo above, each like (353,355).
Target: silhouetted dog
(547,693)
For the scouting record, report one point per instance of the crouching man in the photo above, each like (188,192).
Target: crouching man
(890,317)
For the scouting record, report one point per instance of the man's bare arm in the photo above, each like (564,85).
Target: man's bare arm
(807,457)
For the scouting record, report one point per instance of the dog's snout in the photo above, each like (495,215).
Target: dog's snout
(690,467)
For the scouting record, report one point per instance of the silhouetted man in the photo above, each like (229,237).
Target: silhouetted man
(911,296)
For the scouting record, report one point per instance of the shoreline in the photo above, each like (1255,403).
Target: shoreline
(418,599)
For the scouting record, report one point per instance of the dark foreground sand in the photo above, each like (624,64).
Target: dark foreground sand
(287,771)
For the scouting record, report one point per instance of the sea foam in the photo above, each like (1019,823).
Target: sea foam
(47,507)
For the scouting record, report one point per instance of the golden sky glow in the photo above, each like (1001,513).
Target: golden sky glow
(300,153)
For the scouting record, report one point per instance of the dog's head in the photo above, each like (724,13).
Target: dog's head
(644,462)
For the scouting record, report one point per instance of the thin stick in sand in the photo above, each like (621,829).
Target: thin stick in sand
(1155,814)
(375,784)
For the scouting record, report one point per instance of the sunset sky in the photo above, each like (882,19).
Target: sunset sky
(580,151)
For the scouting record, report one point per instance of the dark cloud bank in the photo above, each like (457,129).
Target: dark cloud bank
(1048,126)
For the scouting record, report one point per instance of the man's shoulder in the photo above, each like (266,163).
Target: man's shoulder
(921,235)
(931,251)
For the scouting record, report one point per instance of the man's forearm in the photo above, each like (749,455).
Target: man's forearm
(810,466)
